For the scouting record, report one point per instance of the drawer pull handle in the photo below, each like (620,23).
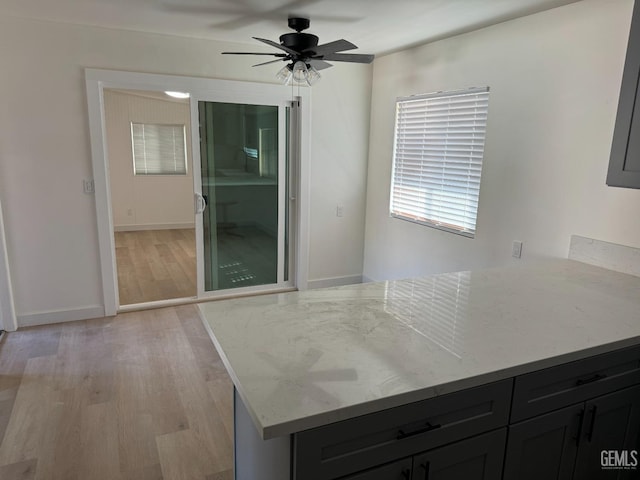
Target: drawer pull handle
(594,410)
(595,378)
(402,434)
(406,474)
(580,423)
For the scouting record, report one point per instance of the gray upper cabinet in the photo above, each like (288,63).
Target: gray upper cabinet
(624,164)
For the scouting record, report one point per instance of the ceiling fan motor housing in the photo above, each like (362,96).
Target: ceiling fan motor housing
(299,41)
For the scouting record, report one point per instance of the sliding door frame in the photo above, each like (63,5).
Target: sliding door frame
(97,80)
(255,94)
(7,309)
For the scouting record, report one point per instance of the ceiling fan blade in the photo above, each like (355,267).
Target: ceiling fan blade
(277,45)
(267,63)
(348,57)
(331,47)
(255,53)
(319,64)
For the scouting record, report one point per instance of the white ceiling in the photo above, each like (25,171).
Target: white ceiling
(376,26)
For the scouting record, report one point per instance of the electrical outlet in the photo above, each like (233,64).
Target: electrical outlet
(516,249)
(339,211)
(88,186)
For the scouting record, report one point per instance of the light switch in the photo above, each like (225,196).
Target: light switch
(88,186)
(516,249)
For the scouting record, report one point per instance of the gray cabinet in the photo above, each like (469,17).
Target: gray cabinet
(624,164)
(354,445)
(612,422)
(545,446)
(400,470)
(550,424)
(477,458)
(574,382)
(568,443)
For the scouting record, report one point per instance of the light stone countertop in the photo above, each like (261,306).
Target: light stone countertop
(305,359)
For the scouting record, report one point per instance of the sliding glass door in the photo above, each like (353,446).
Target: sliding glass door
(246,202)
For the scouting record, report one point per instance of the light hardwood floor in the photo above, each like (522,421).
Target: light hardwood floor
(139,396)
(155,265)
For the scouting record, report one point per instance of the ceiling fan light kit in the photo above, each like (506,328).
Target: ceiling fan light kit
(285,75)
(304,55)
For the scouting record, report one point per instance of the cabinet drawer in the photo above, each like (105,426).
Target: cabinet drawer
(352,445)
(556,387)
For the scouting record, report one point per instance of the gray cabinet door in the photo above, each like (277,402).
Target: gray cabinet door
(624,164)
(477,458)
(400,470)
(544,447)
(611,425)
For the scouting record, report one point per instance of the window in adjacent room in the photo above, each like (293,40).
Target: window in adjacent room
(437,159)
(158,149)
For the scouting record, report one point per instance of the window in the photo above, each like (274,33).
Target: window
(437,159)
(158,149)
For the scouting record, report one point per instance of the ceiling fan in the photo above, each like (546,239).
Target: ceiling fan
(304,55)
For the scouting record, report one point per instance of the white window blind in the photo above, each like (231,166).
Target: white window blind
(158,149)
(437,159)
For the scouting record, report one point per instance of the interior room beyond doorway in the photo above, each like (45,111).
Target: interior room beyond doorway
(151,179)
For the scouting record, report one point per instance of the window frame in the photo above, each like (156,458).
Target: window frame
(440,225)
(170,174)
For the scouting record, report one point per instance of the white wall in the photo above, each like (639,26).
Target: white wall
(141,201)
(555,79)
(45,154)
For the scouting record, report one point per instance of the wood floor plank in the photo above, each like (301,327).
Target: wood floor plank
(128,397)
(99,454)
(155,265)
(152,472)
(210,366)
(183,456)
(33,408)
(203,414)
(226,475)
(136,435)
(25,470)
(62,461)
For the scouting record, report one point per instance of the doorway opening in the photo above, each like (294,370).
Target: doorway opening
(245,178)
(151,180)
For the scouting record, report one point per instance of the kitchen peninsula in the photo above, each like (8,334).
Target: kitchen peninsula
(403,379)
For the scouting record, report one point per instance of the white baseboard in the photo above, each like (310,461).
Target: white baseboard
(60,316)
(334,281)
(153,226)
(366,279)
